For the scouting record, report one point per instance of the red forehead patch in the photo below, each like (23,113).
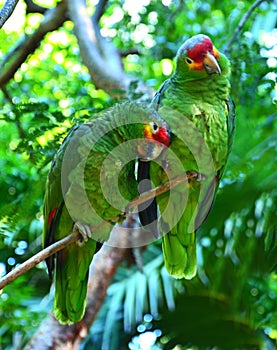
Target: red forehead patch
(201,47)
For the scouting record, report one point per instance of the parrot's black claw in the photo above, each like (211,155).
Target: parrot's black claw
(84,231)
(195,176)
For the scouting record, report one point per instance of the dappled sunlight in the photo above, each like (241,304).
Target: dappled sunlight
(55,82)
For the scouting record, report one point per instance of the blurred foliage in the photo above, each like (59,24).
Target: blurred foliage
(234,297)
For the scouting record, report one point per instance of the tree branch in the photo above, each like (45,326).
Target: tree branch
(34,8)
(37,258)
(57,246)
(7,10)
(157,191)
(53,19)
(99,10)
(242,23)
(51,334)
(100,56)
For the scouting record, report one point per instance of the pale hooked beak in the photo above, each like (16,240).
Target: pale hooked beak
(210,64)
(150,150)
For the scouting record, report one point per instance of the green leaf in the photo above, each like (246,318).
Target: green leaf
(207,321)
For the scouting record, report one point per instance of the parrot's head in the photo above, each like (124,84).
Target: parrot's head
(198,57)
(157,138)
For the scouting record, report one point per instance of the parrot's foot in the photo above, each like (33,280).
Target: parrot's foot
(84,231)
(195,176)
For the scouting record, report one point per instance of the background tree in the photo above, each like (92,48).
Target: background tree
(60,63)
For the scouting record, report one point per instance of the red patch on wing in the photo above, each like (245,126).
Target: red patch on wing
(51,216)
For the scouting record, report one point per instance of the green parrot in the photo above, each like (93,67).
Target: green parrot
(196,105)
(91,180)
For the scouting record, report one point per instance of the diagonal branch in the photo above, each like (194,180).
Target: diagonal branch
(37,258)
(242,23)
(7,10)
(102,58)
(53,19)
(51,334)
(99,10)
(157,191)
(57,246)
(34,8)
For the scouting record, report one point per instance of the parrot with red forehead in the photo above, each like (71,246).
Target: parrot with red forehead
(196,104)
(91,179)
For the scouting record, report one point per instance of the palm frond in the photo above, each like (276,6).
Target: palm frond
(131,296)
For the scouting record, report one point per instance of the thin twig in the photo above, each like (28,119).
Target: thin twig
(99,10)
(37,258)
(157,191)
(242,23)
(6,11)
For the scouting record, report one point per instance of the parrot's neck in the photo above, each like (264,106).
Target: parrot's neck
(210,88)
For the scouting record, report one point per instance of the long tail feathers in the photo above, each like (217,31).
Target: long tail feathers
(180,258)
(71,281)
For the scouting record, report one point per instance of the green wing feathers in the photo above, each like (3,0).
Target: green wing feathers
(75,193)
(195,103)
(179,257)
(71,281)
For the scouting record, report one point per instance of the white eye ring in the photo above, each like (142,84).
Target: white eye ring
(154,126)
(189,60)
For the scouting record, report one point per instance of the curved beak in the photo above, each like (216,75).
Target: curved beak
(210,64)
(149,150)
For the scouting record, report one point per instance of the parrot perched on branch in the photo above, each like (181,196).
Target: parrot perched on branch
(195,103)
(91,180)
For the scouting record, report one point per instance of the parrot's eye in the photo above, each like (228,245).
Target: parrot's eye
(154,126)
(189,60)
